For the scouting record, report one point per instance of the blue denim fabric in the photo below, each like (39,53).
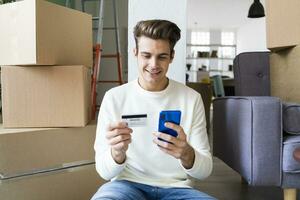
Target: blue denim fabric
(127,190)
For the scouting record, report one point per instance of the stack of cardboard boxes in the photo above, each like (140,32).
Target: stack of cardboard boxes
(283,39)
(46,141)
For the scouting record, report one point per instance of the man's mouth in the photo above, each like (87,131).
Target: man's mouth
(154,72)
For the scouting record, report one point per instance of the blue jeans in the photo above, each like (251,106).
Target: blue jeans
(127,190)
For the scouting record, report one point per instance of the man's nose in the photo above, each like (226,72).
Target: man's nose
(153,62)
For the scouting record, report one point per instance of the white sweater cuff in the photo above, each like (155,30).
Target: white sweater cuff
(194,167)
(112,168)
(201,168)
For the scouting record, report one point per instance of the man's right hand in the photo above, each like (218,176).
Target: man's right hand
(119,137)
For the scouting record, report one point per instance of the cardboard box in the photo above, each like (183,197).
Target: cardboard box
(23,151)
(52,96)
(37,32)
(283,25)
(78,183)
(284,74)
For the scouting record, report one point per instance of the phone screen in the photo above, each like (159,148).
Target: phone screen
(172,116)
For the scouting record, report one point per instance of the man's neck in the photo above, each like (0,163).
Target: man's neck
(154,87)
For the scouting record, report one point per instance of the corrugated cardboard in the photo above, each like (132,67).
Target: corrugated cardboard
(28,150)
(285,73)
(37,32)
(52,96)
(283,25)
(78,183)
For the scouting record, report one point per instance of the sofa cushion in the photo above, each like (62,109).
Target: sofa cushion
(291,118)
(289,163)
(253,68)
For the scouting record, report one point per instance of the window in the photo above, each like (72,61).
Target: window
(200,38)
(227,38)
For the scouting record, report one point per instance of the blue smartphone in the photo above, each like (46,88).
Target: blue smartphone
(172,116)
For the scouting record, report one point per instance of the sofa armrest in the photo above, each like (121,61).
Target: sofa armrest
(247,136)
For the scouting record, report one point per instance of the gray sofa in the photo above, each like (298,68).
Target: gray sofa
(249,129)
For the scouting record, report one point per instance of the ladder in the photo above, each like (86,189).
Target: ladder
(98,50)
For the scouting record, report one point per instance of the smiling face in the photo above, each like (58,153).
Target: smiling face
(154,57)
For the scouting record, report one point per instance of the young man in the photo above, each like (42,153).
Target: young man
(139,165)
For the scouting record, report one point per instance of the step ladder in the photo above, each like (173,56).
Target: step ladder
(98,50)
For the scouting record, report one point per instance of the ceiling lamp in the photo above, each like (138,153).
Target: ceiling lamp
(256,10)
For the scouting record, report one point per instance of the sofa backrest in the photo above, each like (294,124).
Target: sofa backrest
(252,74)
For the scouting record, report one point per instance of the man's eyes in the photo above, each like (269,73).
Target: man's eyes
(160,57)
(163,57)
(146,56)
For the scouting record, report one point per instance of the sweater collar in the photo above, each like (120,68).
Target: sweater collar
(153,93)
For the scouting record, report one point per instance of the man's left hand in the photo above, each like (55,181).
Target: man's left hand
(177,147)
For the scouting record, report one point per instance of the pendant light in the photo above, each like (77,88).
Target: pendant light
(256,10)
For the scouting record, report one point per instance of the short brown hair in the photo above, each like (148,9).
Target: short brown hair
(157,29)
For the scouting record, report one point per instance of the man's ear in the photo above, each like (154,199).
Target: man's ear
(135,51)
(172,55)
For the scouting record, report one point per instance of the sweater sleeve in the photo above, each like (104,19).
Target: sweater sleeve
(198,139)
(105,164)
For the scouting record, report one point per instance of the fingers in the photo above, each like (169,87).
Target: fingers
(174,146)
(168,148)
(179,141)
(117,128)
(118,131)
(116,125)
(122,146)
(164,144)
(119,138)
(176,128)
(170,142)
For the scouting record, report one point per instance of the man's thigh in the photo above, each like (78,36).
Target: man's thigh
(118,190)
(184,194)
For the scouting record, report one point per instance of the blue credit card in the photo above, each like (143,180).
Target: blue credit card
(172,116)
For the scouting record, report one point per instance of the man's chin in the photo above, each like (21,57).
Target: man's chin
(154,79)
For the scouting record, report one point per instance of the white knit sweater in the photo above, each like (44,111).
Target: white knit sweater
(145,162)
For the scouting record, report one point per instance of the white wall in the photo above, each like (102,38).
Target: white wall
(229,15)
(173,10)
(252,36)
(217,14)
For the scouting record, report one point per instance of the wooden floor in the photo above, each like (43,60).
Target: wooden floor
(225,184)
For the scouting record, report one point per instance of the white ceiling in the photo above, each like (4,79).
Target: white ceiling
(217,14)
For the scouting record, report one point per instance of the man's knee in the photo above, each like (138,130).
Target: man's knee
(117,190)
(109,195)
